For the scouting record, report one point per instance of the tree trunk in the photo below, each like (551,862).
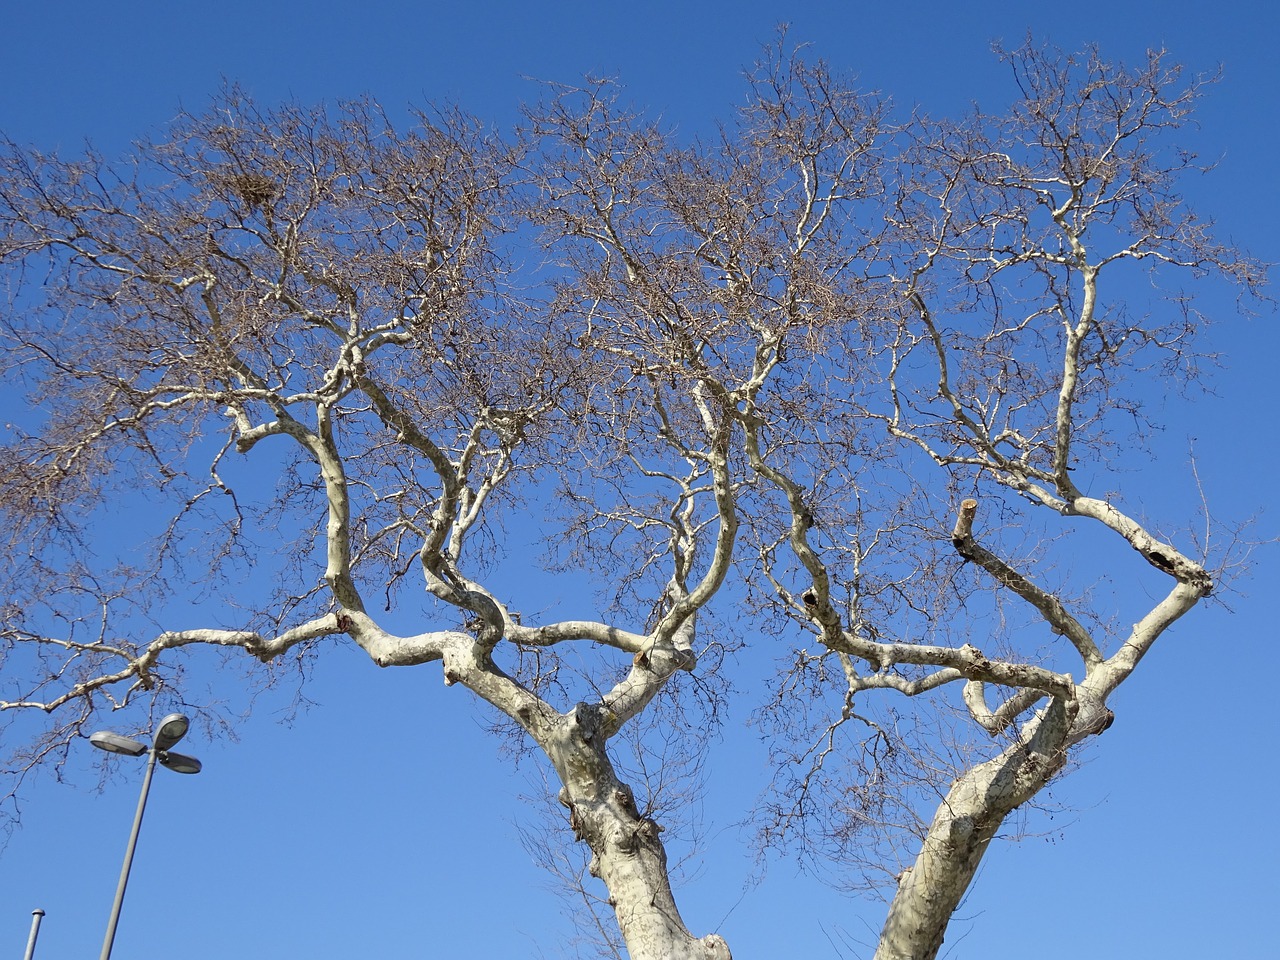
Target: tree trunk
(627,851)
(931,889)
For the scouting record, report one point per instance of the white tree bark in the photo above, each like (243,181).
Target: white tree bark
(967,819)
(627,850)
(769,332)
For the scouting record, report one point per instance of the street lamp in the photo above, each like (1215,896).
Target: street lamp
(169,731)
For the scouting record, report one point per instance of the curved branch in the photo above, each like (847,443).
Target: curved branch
(999,720)
(1050,607)
(139,666)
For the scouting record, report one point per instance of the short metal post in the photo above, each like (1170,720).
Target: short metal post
(35,932)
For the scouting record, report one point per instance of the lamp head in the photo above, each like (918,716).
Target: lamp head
(170,730)
(114,743)
(179,762)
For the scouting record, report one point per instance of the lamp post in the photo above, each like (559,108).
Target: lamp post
(169,731)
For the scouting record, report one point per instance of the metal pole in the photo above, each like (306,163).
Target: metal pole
(128,856)
(35,932)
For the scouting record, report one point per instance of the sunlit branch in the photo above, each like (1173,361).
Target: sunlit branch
(140,665)
(997,721)
(1049,606)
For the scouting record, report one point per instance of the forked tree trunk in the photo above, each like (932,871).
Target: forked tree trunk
(931,889)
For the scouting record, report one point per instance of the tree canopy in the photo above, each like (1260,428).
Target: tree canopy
(855,388)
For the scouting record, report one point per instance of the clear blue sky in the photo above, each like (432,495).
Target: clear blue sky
(381,821)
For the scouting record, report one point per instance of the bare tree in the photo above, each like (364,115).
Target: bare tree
(777,375)
(1005,366)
